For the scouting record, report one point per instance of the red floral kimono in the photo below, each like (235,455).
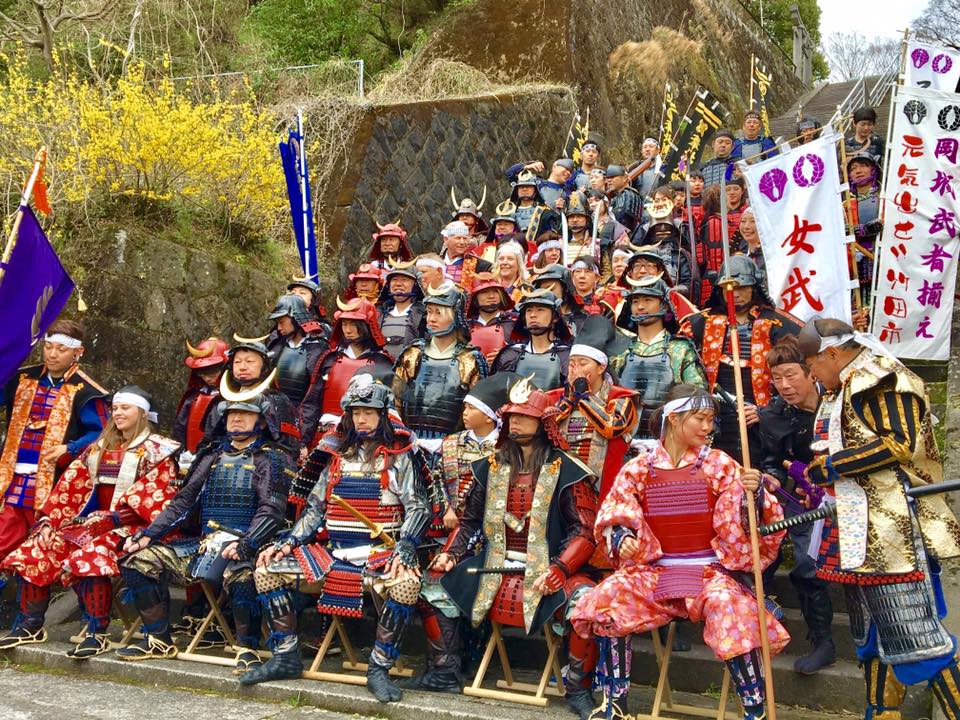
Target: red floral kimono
(145,482)
(632,600)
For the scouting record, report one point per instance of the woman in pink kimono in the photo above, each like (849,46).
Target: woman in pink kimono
(675,522)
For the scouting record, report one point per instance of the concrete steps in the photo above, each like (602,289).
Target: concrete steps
(821,103)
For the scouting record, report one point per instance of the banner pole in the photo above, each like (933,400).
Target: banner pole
(848,217)
(38,162)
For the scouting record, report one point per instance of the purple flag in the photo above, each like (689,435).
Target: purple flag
(34,289)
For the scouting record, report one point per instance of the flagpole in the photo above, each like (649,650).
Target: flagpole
(307,272)
(38,161)
(753,66)
(848,216)
(728,284)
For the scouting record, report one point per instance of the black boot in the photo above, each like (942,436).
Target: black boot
(442,673)
(386,649)
(817,612)
(380,685)
(581,664)
(286,663)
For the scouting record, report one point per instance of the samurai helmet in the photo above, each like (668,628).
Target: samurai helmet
(359,310)
(467,206)
(293,307)
(506,210)
(652,286)
(390,230)
(447,294)
(577,205)
(527,179)
(399,268)
(210,352)
(487,281)
(365,391)
(561,274)
(366,271)
(525,398)
(543,298)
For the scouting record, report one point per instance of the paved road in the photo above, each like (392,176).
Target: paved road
(39,696)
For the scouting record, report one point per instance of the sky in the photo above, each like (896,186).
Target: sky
(886,18)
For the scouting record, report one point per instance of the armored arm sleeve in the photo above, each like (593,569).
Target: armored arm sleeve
(578,508)
(413,496)
(471,520)
(315,512)
(895,417)
(612,419)
(273,476)
(183,502)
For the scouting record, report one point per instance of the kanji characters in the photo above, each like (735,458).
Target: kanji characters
(797,240)
(931,294)
(934,259)
(923,329)
(947,147)
(797,290)
(943,183)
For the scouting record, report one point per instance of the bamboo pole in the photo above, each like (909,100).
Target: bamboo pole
(38,162)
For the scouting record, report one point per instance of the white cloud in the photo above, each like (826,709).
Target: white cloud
(884,18)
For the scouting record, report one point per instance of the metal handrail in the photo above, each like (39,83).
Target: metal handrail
(879,91)
(854,99)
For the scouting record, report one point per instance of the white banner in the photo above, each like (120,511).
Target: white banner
(917,254)
(796,200)
(932,67)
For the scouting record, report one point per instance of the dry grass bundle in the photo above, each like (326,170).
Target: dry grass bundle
(649,64)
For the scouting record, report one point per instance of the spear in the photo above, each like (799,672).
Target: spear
(691,239)
(38,162)
(729,283)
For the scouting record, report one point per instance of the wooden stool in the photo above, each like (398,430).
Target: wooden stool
(190,654)
(663,697)
(351,663)
(513,691)
(131,625)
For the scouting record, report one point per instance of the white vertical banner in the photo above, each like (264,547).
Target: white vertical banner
(931,67)
(796,200)
(917,253)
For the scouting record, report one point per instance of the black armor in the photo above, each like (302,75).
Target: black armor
(433,399)
(399,331)
(229,495)
(293,374)
(547,368)
(651,376)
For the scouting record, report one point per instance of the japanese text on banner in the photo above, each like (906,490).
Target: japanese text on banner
(796,200)
(917,256)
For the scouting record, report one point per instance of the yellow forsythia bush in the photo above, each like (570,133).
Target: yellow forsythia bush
(143,138)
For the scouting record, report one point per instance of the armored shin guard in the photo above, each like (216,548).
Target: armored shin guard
(95,597)
(946,687)
(583,661)
(246,612)
(747,673)
(281,615)
(884,692)
(393,621)
(431,628)
(33,600)
(152,600)
(613,670)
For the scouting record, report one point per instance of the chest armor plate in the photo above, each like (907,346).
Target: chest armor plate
(544,366)
(338,378)
(488,338)
(292,374)
(868,209)
(32,438)
(650,375)
(579,435)
(359,485)
(524,215)
(517,520)
(195,420)
(678,507)
(433,399)
(229,495)
(398,332)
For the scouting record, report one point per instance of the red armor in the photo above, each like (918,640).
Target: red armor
(198,413)
(338,378)
(678,507)
(507,606)
(489,339)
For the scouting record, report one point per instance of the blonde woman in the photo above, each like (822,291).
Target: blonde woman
(510,268)
(120,483)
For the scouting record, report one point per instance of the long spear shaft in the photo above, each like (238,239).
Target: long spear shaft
(728,284)
(38,161)
(692,240)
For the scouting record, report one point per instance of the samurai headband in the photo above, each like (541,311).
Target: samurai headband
(682,405)
(454,229)
(622,251)
(65,340)
(430,262)
(590,352)
(548,245)
(127,398)
(867,340)
(482,407)
(581,265)
(650,140)
(590,145)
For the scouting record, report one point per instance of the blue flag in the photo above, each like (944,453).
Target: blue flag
(34,289)
(294,160)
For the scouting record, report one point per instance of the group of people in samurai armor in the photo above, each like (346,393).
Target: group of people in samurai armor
(531,422)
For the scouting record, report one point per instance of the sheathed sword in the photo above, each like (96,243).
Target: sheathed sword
(827,511)
(376,529)
(495,570)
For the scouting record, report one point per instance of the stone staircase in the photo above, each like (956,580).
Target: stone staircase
(821,103)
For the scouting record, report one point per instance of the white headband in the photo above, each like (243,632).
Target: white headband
(680,405)
(587,146)
(590,352)
(621,251)
(867,340)
(65,340)
(548,245)
(455,228)
(482,407)
(127,398)
(430,262)
(581,265)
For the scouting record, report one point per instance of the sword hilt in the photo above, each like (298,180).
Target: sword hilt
(820,513)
